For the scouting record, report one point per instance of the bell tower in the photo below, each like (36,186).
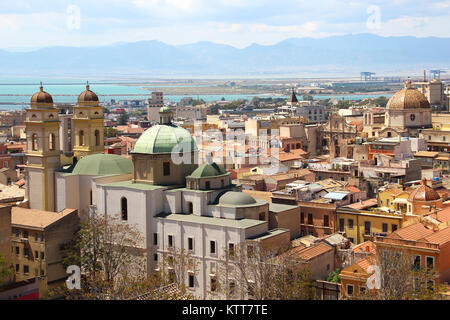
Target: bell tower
(87,125)
(43,154)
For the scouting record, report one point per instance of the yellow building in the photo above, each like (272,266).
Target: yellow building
(362,225)
(88,125)
(43,154)
(394,199)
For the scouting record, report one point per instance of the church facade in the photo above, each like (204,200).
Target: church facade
(172,201)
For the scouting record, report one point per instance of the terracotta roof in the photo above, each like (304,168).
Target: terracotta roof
(36,218)
(427,154)
(412,232)
(353,189)
(440,237)
(443,215)
(20,183)
(259,195)
(367,246)
(308,253)
(363,204)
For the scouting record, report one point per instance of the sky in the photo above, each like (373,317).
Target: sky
(31,24)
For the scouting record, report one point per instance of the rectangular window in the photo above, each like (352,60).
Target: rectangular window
(430,262)
(350,223)
(231,249)
(190,244)
(349,289)
(17,250)
(42,255)
(367,228)
(42,237)
(36,237)
(385,227)
(302,218)
(26,269)
(155,239)
(212,247)
(170,239)
(25,234)
(155,257)
(36,254)
(213,284)
(326,221)
(394,227)
(191,281)
(17,233)
(416,264)
(341,225)
(25,252)
(166,168)
(17,267)
(310,219)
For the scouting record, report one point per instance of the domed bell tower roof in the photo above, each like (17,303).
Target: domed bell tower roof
(41,99)
(88,97)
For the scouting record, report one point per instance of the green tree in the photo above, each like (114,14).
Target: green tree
(110,132)
(333,276)
(5,270)
(123,118)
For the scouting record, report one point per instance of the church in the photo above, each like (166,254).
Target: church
(161,190)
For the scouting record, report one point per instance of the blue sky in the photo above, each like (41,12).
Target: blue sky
(42,23)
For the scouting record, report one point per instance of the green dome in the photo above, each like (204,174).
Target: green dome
(208,170)
(162,139)
(103,164)
(165,109)
(236,199)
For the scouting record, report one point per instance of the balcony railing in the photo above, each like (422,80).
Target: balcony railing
(410,243)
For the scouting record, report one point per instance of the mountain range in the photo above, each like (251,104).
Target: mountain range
(335,54)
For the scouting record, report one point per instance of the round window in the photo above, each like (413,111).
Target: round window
(412,117)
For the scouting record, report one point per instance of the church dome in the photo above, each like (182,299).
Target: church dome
(407,98)
(424,193)
(234,198)
(87,96)
(41,97)
(163,139)
(103,164)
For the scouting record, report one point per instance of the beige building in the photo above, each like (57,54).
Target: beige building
(434,91)
(155,103)
(36,240)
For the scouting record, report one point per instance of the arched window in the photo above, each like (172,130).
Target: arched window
(34,142)
(51,141)
(81,135)
(97,137)
(124,208)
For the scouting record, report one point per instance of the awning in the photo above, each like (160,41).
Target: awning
(400,200)
(336,195)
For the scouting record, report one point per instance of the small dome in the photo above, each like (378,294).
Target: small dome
(87,96)
(103,164)
(236,199)
(208,170)
(41,97)
(165,109)
(407,98)
(163,139)
(424,193)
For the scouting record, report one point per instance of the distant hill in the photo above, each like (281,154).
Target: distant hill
(349,53)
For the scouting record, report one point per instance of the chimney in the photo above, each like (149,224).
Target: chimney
(367,248)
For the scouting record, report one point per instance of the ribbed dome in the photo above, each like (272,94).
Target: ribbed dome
(103,164)
(41,97)
(236,199)
(407,98)
(424,193)
(163,139)
(87,96)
